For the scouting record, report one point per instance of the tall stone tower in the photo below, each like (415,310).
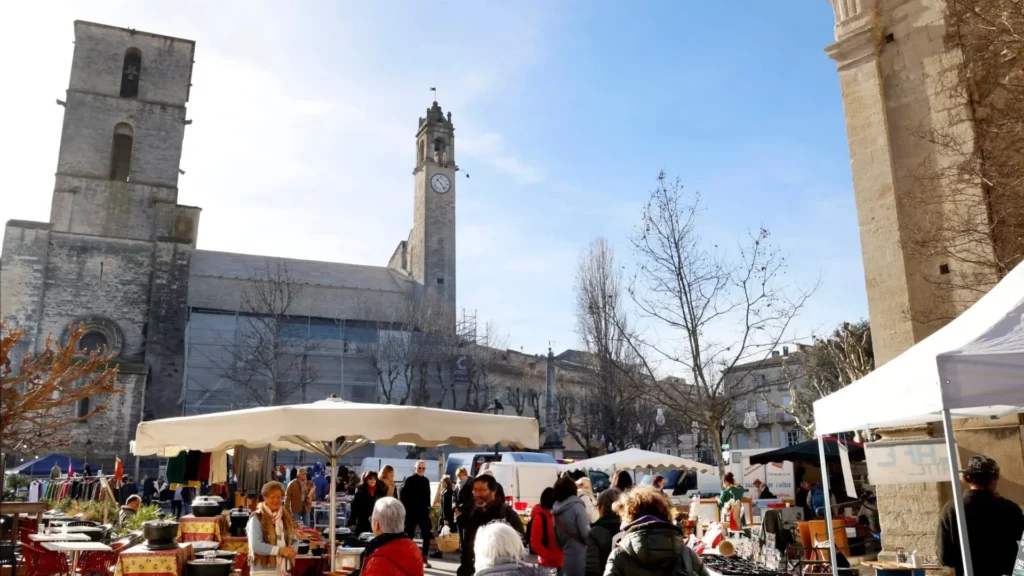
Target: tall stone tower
(116,252)
(432,240)
(902,76)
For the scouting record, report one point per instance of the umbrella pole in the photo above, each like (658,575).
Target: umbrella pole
(334,509)
(958,496)
(828,508)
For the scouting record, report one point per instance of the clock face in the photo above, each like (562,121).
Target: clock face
(440,183)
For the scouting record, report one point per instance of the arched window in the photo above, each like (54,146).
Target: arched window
(440,152)
(130,73)
(121,153)
(94,340)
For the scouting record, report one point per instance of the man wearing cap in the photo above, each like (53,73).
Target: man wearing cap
(994,524)
(761,490)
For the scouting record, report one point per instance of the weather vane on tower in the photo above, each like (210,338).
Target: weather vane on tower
(434,90)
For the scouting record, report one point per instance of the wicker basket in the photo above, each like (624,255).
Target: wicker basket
(449,543)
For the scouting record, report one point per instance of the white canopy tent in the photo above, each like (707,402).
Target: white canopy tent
(333,428)
(636,459)
(972,367)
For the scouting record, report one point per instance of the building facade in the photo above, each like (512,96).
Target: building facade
(119,255)
(902,75)
(763,405)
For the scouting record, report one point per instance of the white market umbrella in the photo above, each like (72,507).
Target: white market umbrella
(634,458)
(332,428)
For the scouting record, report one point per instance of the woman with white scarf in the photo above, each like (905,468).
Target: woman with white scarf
(272,541)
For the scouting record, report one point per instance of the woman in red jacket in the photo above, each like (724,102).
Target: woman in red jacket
(542,532)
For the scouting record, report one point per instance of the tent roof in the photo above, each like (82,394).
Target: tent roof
(808,452)
(42,466)
(634,458)
(294,427)
(974,366)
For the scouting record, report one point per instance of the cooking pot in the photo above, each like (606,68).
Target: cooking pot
(209,567)
(205,508)
(159,531)
(239,518)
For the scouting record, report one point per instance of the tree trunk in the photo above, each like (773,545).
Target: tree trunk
(716,437)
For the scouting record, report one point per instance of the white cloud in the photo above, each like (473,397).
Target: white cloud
(490,148)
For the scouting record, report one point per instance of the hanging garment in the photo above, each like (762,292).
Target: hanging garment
(176,468)
(192,465)
(204,467)
(218,467)
(254,467)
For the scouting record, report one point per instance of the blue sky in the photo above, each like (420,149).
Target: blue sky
(304,116)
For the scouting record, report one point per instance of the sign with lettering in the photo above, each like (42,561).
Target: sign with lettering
(907,462)
(1018,565)
(777,475)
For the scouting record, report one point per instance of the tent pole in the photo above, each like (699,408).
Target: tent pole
(958,496)
(334,507)
(828,508)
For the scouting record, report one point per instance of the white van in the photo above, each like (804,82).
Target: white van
(404,467)
(523,481)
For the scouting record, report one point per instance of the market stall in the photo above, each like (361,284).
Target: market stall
(332,428)
(807,452)
(972,367)
(636,459)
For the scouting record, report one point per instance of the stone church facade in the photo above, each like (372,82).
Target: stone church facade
(119,253)
(900,67)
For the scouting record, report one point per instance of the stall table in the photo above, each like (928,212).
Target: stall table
(140,560)
(76,548)
(193,529)
(240,545)
(894,569)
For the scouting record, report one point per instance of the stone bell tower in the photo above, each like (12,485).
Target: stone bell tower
(431,257)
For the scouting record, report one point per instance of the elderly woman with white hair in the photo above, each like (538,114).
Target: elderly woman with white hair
(391,552)
(499,552)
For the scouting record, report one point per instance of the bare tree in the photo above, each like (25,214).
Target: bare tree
(581,414)
(967,196)
(603,326)
(830,364)
(712,313)
(269,359)
(38,396)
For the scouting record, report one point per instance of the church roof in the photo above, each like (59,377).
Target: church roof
(311,272)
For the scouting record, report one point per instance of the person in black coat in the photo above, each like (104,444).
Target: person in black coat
(148,490)
(994,524)
(128,488)
(463,502)
(362,504)
(415,495)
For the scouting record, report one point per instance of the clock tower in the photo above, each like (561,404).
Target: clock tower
(431,247)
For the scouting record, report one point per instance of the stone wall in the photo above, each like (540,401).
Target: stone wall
(87,138)
(96,67)
(22,279)
(165,328)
